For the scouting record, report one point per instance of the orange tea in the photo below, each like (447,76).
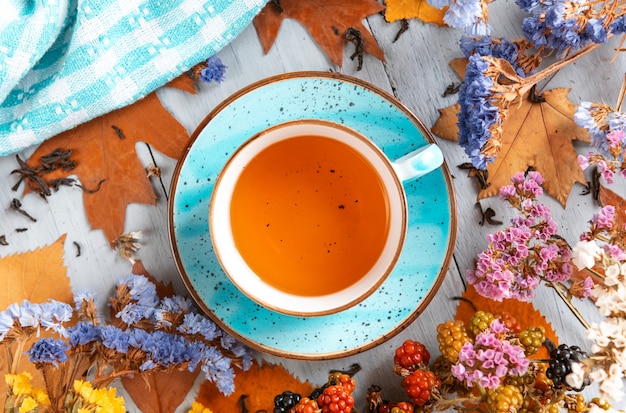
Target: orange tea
(309,215)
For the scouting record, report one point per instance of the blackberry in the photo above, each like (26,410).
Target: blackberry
(532,339)
(451,336)
(335,399)
(342,379)
(285,401)
(504,399)
(306,405)
(420,386)
(411,355)
(510,322)
(560,365)
(402,407)
(480,322)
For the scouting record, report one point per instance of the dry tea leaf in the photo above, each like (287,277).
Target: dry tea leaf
(524,312)
(413,9)
(326,21)
(260,384)
(104,152)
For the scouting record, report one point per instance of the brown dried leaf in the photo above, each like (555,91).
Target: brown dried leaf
(413,9)
(104,149)
(534,134)
(458,65)
(260,384)
(540,135)
(446,126)
(159,392)
(325,20)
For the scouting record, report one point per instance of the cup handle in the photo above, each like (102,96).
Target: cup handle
(419,162)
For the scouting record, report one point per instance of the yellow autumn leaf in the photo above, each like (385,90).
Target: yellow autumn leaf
(413,9)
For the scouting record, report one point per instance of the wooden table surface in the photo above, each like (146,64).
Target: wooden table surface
(416,71)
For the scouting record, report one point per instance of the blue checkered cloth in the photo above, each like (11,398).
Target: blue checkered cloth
(64,62)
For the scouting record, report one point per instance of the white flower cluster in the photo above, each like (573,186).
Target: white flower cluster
(608,336)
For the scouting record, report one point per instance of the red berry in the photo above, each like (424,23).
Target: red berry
(335,399)
(419,386)
(411,355)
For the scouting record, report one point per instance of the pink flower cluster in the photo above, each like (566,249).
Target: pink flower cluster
(519,257)
(489,359)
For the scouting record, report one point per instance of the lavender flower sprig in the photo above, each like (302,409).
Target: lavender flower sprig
(527,252)
(607,128)
(147,333)
(490,358)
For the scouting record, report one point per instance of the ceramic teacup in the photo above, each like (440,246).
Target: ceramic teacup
(308,217)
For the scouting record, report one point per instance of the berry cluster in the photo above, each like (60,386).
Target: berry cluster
(561,361)
(335,396)
(483,366)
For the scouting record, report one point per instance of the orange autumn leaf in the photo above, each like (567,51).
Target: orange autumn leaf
(325,20)
(158,391)
(524,312)
(535,134)
(36,276)
(413,9)
(446,126)
(609,197)
(105,156)
(260,384)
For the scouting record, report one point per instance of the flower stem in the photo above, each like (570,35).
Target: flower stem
(568,302)
(21,342)
(531,80)
(620,98)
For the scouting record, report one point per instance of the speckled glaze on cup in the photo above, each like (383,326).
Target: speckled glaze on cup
(389,173)
(430,237)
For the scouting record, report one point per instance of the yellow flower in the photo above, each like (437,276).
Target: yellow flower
(41,396)
(28,404)
(24,394)
(98,400)
(19,384)
(199,408)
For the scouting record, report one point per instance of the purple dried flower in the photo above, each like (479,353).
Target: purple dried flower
(215,70)
(490,358)
(48,350)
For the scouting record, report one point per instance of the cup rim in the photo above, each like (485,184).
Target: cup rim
(395,244)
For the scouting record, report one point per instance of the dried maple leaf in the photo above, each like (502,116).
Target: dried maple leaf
(410,9)
(524,312)
(258,385)
(104,149)
(535,134)
(158,391)
(36,276)
(326,21)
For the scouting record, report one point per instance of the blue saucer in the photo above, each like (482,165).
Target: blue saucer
(431,228)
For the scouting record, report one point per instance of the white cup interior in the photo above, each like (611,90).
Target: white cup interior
(242,275)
